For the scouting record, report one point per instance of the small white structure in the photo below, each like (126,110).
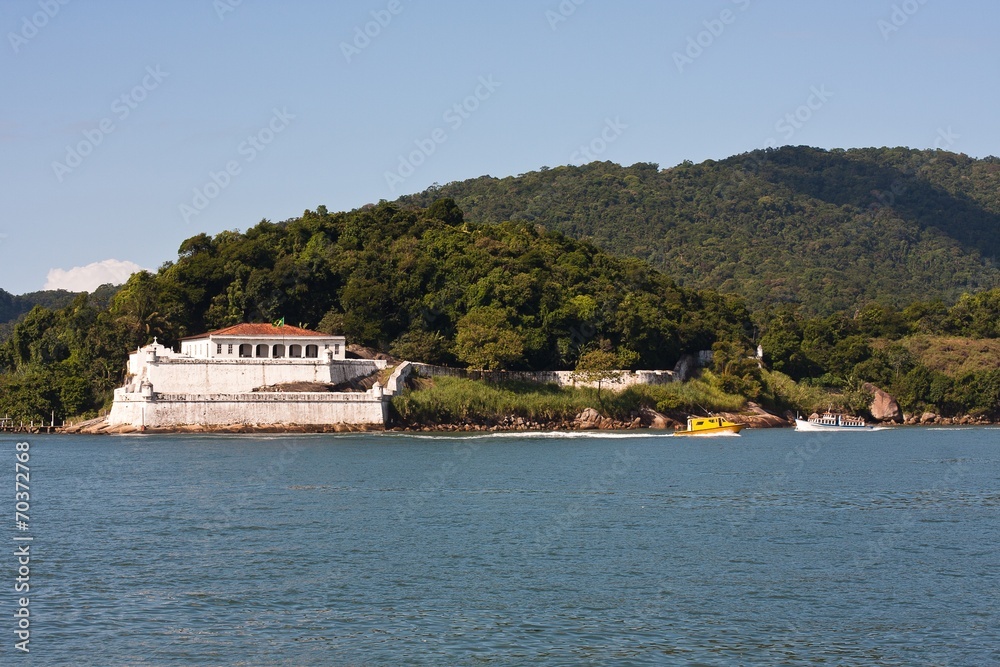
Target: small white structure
(213,381)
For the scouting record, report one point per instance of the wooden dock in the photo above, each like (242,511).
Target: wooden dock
(10,425)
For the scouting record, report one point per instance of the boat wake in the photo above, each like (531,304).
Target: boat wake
(536,435)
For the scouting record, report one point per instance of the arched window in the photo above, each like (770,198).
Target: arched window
(278,351)
(295,351)
(262,350)
(246,350)
(312,351)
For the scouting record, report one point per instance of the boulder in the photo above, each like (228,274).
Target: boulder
(588,419)
(654,419)
(928,418)
(764,419)
(755,417)
(884,407)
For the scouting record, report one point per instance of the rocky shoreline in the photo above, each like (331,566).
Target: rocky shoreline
(589,420)
(932,419)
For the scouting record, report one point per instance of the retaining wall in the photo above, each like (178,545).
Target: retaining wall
(252,409)
(561,378)
(230,376)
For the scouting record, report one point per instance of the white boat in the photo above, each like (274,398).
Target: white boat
(829,421)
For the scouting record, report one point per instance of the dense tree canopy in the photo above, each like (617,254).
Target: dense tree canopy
(828,230)
(432,285)
(423,283)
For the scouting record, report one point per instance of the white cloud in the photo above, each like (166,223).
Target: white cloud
(90,277)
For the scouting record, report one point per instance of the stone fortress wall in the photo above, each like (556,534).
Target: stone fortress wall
(166,389)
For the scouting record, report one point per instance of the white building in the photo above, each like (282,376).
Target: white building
(264,341)
(216,380)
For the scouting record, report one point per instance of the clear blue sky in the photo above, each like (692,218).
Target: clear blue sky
(199,80)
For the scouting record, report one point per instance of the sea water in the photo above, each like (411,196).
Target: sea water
(628,548)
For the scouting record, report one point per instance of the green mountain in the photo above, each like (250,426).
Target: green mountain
(13,306)
(427,285)
(827,230)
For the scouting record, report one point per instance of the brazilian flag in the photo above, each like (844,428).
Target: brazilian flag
(279,323)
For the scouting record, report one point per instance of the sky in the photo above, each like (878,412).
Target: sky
(129,126)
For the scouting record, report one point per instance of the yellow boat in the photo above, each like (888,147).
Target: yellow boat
(710,426)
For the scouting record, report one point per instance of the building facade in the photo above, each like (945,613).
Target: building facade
(264,341)
(235,376)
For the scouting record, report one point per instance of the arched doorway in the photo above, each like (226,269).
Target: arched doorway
(262,350)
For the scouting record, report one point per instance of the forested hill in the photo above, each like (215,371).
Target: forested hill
(830,230)
(13,306)
(422,284)
(428,285)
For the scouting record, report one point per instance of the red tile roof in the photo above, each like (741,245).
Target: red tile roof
(260,330)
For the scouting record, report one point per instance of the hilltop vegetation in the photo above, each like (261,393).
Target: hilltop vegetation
(826,230)
(424,284)
(429,285)
(901,351)
(954,356)
(15,307)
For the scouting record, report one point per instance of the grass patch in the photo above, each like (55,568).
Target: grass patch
(784,393)
(955,356)
(451,400)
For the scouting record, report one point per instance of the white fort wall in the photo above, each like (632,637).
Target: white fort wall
(623,380)
(253,409)
(167,389)
(224,376)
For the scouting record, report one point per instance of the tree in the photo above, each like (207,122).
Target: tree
(486,339)
(429,347)
(136,309)
(736,371)
(597,366)
(445,210)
